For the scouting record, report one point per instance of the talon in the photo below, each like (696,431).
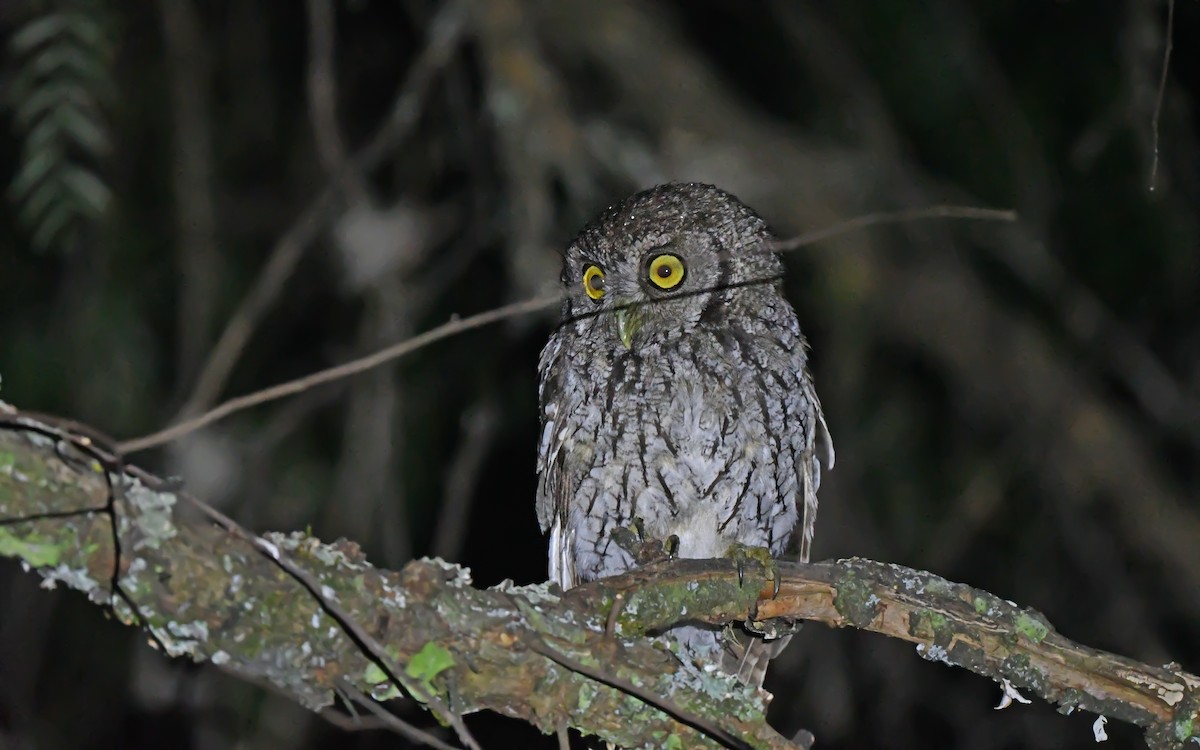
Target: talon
(644,549)
(741,553)
(640,527)
(671,546)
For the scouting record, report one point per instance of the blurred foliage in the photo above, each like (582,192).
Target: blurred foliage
(1014,406)
(61,60)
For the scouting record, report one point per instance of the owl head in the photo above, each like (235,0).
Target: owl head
(665,261)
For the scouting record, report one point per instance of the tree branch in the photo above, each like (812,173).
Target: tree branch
(312,618)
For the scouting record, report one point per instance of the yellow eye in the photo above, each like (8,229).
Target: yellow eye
(666,271)
(593,282)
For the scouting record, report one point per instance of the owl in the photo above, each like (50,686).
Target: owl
(676,391)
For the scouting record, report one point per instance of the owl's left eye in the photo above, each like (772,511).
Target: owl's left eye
(593,282)
(666,271)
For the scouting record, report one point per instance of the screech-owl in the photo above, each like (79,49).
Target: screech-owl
(676,390)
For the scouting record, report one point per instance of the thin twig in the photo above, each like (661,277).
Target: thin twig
(478,432)
(371,503)
(322,100)
(353,367)
(518,308)
(699,723)
(189,67)
(444,33)
(893,217)
(393,722)
(352,722)
(1162,88)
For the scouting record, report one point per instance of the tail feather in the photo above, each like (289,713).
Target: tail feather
(746,655)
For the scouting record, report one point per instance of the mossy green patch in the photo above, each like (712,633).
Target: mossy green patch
(37,554)
(427,664)
(1031,627)
(981,605)
(1184,729)
(586,693)
(856,601)
(927,623)
(375,677)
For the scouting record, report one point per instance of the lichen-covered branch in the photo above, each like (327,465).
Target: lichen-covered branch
(207,593)
(949,622)
(525,651)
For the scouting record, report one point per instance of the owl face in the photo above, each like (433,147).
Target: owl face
(663,262)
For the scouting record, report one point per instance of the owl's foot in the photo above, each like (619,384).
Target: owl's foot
(744,553)
(644,550)
(773,629)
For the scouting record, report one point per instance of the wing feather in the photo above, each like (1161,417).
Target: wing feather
(552,488)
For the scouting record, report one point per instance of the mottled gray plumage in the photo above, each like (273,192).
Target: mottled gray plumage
(703,422)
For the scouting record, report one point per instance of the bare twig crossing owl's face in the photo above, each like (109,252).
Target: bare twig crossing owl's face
(654,267)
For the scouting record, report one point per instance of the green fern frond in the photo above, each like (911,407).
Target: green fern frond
(62,77)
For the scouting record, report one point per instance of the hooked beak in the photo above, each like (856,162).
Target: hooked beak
(629,321)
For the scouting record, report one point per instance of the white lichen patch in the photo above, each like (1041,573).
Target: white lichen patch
(1010,694)
(152,517)
(183,647)
(77,578)
(1098,728)
(220,658)
(462,576)
(934,652)
(304,543)
(392,596)
(710,680)
(192,631)
(331,555)
(1171,693)
(535,594)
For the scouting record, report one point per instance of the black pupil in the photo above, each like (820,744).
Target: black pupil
(596,282)
(664,271)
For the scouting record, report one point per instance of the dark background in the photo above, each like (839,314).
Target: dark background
(1015,406)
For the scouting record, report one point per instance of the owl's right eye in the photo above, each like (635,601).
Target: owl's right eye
(593,282)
